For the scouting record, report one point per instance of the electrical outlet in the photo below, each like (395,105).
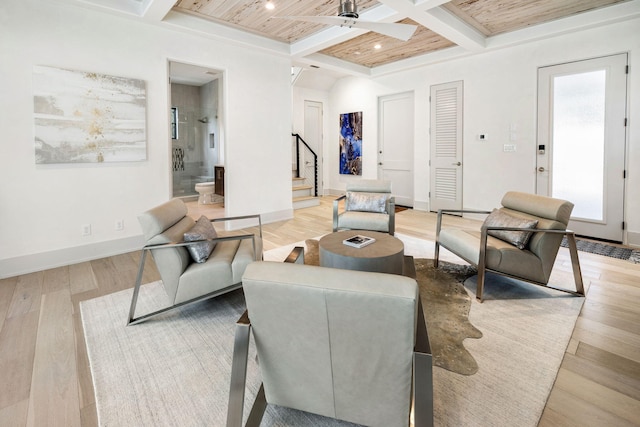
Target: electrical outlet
(507,148)
(86,230)
(119,225)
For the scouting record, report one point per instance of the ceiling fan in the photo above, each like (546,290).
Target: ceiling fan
(348,17)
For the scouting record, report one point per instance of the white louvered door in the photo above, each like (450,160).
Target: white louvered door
(445,189)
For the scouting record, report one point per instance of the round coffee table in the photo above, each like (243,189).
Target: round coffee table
(385,255)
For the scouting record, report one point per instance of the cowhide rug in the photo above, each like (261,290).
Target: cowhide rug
(446,306)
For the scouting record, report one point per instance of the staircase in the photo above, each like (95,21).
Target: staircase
(303,194)
(304,175)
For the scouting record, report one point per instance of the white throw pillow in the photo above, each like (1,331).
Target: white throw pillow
(366,202)
(201,230)
(519,239)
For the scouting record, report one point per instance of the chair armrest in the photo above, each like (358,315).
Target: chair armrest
(336,202)
(391,211)
(234,218)
(441,211)
(296,256)
(217,239)
(422,336)
(238,371)
(422,374)
(485,229)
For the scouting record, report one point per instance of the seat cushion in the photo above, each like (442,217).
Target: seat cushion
(222,269)
(501,256)
(355,220)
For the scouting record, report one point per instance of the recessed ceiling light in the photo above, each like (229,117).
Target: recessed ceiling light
(378,46)
(357,52)
(269,5)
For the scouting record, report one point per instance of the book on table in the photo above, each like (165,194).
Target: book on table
(359,241)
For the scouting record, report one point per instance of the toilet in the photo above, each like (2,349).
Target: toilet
(206,191)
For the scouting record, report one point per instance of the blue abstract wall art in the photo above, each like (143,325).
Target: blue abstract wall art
(351,143)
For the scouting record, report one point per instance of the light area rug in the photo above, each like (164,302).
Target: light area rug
(174,370)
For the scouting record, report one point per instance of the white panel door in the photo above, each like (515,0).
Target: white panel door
(395,146)
(581,141)
(445,175)
(313,136)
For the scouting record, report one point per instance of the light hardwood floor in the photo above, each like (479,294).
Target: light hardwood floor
(45,378)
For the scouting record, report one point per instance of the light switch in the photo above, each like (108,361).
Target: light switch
(508,148)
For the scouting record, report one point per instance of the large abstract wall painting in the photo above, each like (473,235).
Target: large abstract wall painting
(351,143)
(88,117)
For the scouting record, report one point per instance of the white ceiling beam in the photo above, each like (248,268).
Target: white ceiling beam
(156,10)
(323,39)
(335,64)
(604,16)
(593,18)
(334,35)
(439,21)
(126,7)
(191,24)
(429,4)
(431,58)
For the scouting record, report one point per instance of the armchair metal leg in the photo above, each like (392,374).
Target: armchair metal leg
(480,287)
(238,371)
(436,254)
(257,410)
(575,263)
(482,267)
(136,288)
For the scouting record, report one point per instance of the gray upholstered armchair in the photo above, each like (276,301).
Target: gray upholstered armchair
(520,240)
(193,262)
(344,344)
(368,205)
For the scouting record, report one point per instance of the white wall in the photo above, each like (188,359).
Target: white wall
(500,88)
(42,207)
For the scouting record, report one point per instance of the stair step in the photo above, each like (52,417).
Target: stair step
(305,202)
(296,182)
(302,191)
(302,187)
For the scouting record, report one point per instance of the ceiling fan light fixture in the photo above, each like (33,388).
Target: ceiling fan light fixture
(348,9)
(269,5)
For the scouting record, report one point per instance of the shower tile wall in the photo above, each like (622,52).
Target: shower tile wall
(191,152)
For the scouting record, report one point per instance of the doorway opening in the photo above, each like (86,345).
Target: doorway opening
(196,128)
(582,142)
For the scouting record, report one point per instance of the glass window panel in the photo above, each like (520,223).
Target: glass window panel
(578,142)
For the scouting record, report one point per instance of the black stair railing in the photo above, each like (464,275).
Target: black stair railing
(307,151)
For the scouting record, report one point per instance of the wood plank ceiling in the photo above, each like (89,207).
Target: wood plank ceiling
(486,17)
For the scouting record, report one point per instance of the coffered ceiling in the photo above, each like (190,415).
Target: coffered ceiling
(446,29)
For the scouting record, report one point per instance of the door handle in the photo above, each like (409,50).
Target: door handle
(540,169)
(380,163)
(457,164)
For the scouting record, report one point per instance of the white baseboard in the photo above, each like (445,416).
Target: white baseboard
(25,264)
(420,205)
(633,239)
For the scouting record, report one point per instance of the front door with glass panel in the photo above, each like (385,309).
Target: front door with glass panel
(581,142)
